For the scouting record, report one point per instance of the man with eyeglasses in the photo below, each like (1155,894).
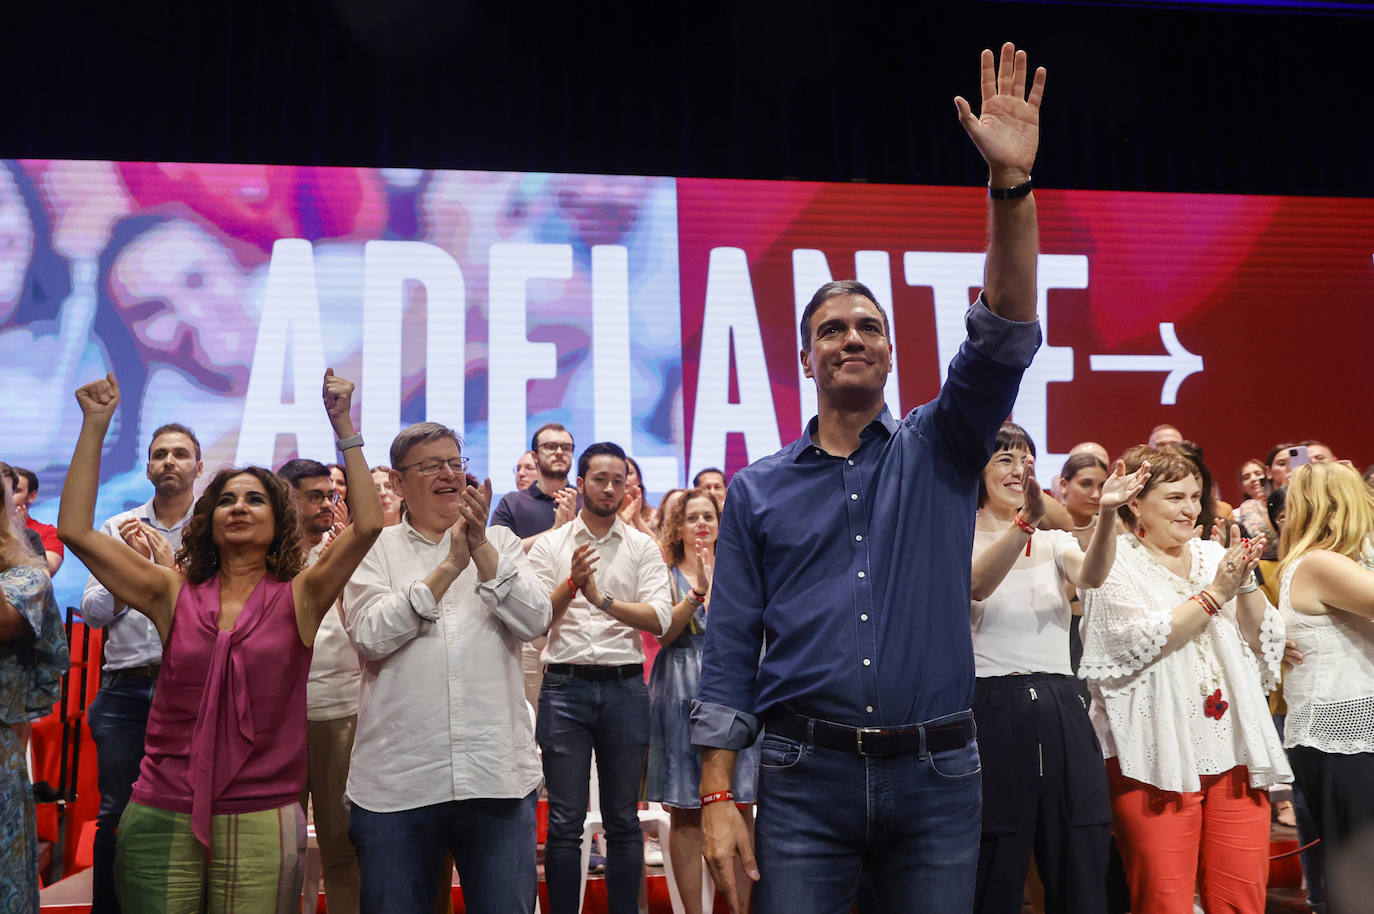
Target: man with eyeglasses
(331,695)
(548,502)
(445,757)
(133,650)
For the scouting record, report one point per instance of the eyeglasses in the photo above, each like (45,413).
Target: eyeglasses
(317,497)
(435,466)
(553,447)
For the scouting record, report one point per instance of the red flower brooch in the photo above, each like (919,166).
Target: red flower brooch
(1215,707)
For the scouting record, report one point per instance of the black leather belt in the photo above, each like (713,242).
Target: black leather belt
(148,672)
(870,741)
(593,673)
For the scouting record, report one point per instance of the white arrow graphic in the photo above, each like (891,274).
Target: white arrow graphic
(1179,363)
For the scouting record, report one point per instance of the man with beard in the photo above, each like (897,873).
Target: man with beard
(545,504)
(331,695)
(608,582)
(548,502)
(133,651)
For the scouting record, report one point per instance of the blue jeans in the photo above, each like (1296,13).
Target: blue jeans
(492,842)
(611,717)
(904,827)
(118,718)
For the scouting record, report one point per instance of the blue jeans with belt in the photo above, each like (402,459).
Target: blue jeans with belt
(897,833)
(118,718)
(577,716)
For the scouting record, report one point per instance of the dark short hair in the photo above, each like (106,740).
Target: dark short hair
(600,449)
(1275,504)
(1080,462)
(1274,452)
(168,428)
(547,427)
(835,290)
(419,433)
(1009,436)
(30,477)
(696,480)
(199,558)
(294,471)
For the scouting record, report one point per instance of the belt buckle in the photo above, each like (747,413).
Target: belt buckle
(859,737)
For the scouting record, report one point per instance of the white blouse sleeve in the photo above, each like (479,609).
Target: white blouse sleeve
(1273,636)
(1122,631)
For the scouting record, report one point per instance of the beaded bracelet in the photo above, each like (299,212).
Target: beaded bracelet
(722,796)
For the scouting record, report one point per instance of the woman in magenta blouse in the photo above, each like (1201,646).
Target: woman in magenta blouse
(215,822)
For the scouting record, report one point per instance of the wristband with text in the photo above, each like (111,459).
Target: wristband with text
(722,796)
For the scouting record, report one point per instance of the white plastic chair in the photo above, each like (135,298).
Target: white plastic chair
(654,822)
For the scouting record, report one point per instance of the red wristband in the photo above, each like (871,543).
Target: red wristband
(1025,527)
(1207,602)
(723,796)
(571,586)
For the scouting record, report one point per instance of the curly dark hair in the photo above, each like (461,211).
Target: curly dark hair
(673,549)
(198,556)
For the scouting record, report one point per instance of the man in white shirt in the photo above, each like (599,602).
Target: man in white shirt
(608,582)
(444,757)
(133,651)
(331,697)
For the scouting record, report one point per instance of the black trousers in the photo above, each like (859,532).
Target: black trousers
(1340,796)
(1044,790)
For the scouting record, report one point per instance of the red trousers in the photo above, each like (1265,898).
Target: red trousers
(1214,841)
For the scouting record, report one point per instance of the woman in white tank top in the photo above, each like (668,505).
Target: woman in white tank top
(1326,595)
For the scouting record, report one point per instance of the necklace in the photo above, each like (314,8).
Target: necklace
(1210,677)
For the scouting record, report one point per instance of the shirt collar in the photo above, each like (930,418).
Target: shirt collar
(580,531)
(882,425)
(149,513)
(534,491)
(414,534)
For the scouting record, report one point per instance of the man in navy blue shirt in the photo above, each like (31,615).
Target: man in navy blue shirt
(870,768)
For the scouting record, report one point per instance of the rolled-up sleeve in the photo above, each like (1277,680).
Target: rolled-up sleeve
(378,615)
(654,586)
(516,595)
(980,387)
(722,716)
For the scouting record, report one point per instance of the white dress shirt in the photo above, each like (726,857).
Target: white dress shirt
(442,714)
(131,638)
(629,567)
(331,691)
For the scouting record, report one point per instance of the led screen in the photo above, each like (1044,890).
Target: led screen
(656,312)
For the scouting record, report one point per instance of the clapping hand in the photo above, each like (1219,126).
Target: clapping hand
(476,504)
(583,572)
(1034,508)
(146,542)
(98,399)
(1007,129)
(1236,566)
(705,568)
(1121,487)
(567,506)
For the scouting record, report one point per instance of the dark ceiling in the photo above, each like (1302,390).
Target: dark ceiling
(1139,98)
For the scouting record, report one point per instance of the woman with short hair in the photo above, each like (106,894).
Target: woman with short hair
(1179,649)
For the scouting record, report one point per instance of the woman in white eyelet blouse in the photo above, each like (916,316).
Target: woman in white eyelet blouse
(1179,649)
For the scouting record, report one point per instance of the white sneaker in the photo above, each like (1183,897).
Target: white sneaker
(653,851)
